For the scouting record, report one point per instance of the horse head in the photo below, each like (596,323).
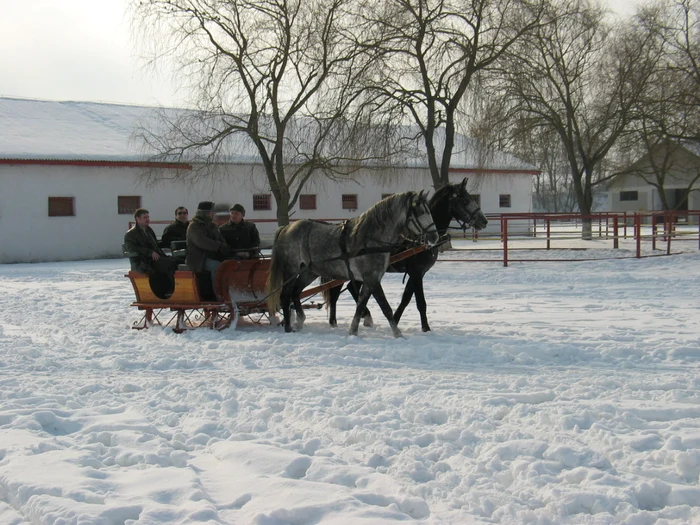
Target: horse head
(465,209)
(419,221)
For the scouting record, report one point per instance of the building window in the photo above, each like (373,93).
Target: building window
(307,202)
(262,201)
(629,196)
(61,206)
(476,198)
(128,204)
(504,200)
(386,195)
(349,201)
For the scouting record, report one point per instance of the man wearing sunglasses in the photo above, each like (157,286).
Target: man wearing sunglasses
(176,230)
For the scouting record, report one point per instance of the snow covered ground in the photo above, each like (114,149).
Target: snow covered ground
(549,393)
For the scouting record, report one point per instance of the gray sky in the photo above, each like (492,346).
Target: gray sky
(74,50)
(82,50)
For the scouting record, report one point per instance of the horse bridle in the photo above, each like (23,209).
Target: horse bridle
(471,216)
(412,220)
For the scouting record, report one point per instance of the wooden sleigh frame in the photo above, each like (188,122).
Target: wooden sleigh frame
(239,287)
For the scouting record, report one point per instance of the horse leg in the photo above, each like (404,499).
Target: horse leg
(354,289)
(378,293)
(286,302)
(405,299)
(421,304)
(299,285)
(333,295)
(361,304)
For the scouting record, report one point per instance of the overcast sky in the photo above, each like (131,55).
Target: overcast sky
(82,50)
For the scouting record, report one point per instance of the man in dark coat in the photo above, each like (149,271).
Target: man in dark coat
(176,230)
(149,258)
(205,246)
(241,235)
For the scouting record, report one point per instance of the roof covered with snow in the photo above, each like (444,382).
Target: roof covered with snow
(89,131)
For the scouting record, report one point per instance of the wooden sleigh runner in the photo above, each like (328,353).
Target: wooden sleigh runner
(239,291)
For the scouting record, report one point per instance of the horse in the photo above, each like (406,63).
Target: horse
(449,202)
(359,249)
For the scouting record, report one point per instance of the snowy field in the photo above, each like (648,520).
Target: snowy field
(547,393)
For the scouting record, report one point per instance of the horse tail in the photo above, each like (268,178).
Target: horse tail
(275,279)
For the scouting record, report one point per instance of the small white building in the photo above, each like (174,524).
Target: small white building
(677,164)
(71,176)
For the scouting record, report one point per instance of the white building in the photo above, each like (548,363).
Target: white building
(71,176)
(677,164)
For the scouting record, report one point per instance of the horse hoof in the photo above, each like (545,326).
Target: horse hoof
(368,322)
(288,329)
(426,329)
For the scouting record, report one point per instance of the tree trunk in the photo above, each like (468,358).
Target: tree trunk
(586,229)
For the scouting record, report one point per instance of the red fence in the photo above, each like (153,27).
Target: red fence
(662,230)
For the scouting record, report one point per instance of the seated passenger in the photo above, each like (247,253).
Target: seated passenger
(150,260)
(205,246)
(176,230)
(241,235)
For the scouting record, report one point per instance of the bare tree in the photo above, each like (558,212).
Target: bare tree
(658,149)
(679,28)
(552,188)
(431,51)
(581,78)
(271,78)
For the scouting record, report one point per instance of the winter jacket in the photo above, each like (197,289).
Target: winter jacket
(241,236)
(175,231)
(204,241)
(143,242)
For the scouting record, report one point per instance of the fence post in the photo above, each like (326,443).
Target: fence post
(654,232)
(624,225)
(638,233)
(549,231)
(616,242)
(504,236)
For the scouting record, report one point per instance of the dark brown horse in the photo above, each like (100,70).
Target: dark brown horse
(449,202)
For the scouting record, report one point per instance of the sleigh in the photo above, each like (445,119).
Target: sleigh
(239,291)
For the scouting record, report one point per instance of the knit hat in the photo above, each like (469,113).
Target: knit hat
(239,208)
(205,206)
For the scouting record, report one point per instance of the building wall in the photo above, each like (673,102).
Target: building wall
(681,167)
(647,196)
(28,234)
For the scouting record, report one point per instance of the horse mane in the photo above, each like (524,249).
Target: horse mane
(441,194)
(375,218)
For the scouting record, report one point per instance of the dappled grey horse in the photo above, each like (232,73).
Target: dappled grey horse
(356,250)
(451,202)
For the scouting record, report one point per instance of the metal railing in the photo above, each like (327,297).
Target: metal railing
(666,228)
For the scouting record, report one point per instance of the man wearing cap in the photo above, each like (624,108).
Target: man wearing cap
(149,258)
(176,230)
(206,247)
(241,235)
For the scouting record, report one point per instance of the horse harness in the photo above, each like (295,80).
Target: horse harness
(411,220)
(463,225)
